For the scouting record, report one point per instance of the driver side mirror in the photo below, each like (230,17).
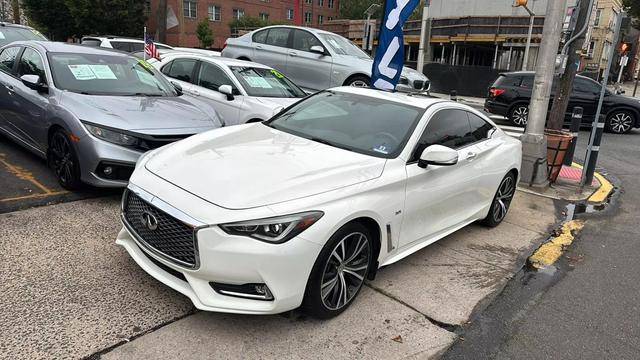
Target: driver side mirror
(227,90)
(34,82)
(438,155)
(178,88)
(317,49)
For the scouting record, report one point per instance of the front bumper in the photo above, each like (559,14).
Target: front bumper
(93,152)
(236,260)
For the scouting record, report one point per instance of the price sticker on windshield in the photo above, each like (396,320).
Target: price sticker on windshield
(145,65)
(82,72)
(277,74)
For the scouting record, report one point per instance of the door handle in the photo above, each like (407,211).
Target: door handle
(471,155)
(258,46)
(293,53)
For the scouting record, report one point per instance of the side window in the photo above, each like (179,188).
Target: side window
(31,64)
(166,68)
(278,37)
(527,82)
(479,127)
(182,69)
(448,128)
(122,46)
(585,86)
(212,77)
(8,58)
(136,46)
(304,40)
(260,37)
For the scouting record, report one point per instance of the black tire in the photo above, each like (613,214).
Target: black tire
(620,121)
(501,201)
(332,271)
(62,158)
(358,81)
(519,114)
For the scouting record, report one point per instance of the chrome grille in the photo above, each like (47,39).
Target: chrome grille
(171,238)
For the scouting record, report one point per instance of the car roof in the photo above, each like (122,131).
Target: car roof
(313,30)
(6,24)
(60,47)
(533,73)
(418,100)
(216,59)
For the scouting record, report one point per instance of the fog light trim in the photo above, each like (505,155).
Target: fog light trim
(246,291)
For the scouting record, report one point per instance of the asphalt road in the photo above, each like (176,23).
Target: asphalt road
(586,308)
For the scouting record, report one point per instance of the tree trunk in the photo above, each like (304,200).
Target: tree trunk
(565,85)
(15,6)
(162,21)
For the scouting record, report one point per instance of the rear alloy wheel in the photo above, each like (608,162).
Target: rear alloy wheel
(63,160)
(501,201)
(620,122)
(339,272)
(519,115)
(359,81)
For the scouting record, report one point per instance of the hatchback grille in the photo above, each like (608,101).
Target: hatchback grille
(160,232)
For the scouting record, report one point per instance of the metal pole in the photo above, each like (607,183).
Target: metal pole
(423,36)
(623,63)
(597,127)
(635,88)
(525,62)
(366,33)
(576,121)
(495,58)
(534,142)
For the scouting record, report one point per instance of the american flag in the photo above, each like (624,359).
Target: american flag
(150,48)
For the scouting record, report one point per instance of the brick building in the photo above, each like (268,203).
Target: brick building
(187,14)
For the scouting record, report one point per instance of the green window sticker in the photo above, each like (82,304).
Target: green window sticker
(277,74)
(145,65)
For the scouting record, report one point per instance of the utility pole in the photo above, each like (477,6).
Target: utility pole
(162,21)
(534,143)
(425,37)
(565,86)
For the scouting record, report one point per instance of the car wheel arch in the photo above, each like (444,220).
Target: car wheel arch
(634,112)
(352,76)
(254,120)
(244,58)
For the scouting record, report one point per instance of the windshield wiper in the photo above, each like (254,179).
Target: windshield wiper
(327,142)
(145,94)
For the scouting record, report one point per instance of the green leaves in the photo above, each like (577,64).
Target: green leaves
(204,33)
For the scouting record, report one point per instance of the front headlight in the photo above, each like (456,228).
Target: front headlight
(274,230)
(112,136)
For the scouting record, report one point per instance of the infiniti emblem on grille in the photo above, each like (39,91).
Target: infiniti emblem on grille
(149,220)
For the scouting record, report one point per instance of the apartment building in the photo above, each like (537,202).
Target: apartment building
(600,37)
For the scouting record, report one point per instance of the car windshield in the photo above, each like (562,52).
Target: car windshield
(358,123)
(343,46)
(9,34)
(102,74)
(263,82)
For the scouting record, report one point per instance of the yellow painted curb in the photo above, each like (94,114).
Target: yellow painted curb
(603,191)
(550,252)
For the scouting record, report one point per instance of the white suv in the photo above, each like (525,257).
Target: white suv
(119,43)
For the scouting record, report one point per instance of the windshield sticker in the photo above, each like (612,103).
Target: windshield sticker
(82,72)
(277,74)
(146,65)
(381,149)
(257,82)
(103,72)
(2,36)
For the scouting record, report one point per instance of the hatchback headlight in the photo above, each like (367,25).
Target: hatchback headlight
(274,230)
(112,136)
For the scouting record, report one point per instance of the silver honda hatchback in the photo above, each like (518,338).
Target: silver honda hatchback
(92,112)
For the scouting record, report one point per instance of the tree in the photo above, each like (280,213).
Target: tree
(354,9)
(204,33)
(51,17)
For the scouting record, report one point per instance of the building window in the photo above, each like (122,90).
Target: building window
(214,13)
(190,9)
(320,19)
(290,14)
(308,17)
(590,48)
(330,18)
(321,3)
(330,4)
(238,13)
(308,1)
(147,8)
(596,21)
(264,16)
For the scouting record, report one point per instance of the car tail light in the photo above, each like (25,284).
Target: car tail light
(224,45)
(493,92)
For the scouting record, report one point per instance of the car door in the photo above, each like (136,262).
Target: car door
(440,198)
(308,69)
(585,94)
(8,83)
(182,72)
(210,78)
(30,117)
(275,49)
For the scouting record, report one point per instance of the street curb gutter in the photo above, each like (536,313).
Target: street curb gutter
(549,252)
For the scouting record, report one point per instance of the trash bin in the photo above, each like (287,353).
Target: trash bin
(558,143)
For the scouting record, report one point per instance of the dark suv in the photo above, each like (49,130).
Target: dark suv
(13,32)
(510,94)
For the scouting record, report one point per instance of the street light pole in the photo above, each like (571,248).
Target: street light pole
(534,143)
(525,62)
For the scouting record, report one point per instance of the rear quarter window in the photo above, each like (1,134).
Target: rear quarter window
(504,80)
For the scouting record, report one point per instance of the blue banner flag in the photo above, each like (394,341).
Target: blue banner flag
(387,65)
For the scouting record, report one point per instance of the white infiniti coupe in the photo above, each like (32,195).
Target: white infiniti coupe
(301,209)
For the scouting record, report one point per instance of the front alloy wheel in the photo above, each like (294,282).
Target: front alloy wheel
(519,115)
(339,272)
(501,201)
(620,122)
(63,160)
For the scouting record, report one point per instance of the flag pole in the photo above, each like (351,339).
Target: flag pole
(144,49)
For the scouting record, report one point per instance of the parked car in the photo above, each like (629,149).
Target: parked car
(14,32)
(510,95)
(198,51)
(299,210)
(129,45)
(91,112)
(241,91)
(314,59)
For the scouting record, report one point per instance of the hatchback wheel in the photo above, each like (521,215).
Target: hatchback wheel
(519,115)
(339,272)
(359,81)
(620,122)
(63,160)
(501,201)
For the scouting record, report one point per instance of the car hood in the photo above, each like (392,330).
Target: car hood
(277,104)
(623,99)
(365,65)
(248,166)
(142,114)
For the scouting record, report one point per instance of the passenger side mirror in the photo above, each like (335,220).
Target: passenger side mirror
(227,90)
(34,82)
(178,88)
(317,49)
(438,155)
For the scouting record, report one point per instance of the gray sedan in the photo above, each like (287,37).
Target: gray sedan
(314,59)
(91,112)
